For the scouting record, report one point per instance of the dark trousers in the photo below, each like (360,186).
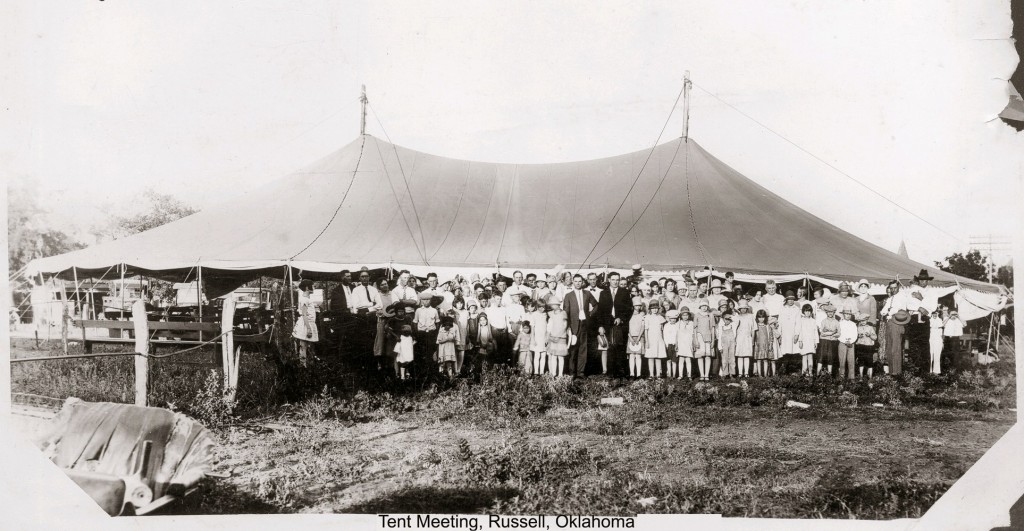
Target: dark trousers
(919,352)
(951,355)
(617,352)
(578,352)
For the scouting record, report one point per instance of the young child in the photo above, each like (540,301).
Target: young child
(847,337)
(542,290)
(864,349)
(558,337)
(745,328)
(684,344)
(952,330)
(448,340)
(427,319)
(485,343)
(764,343)
(806,339)
(828,339)
(404,350)
(635,339)
(462,322)
(935,341)
(539,336)
(704,338)
(671,334)
(602,347)
(726,334)
(522,347)
(654,339)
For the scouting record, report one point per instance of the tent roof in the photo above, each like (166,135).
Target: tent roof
(373,203)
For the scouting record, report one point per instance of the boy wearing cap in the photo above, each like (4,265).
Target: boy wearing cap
(425,319)
(865,348)
(671,333)
(828,335)
(726,334)
(847,338)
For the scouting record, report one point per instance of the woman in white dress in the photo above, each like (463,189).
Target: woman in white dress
(305,331)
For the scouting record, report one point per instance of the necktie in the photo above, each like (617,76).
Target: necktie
(613,302)
(367,290)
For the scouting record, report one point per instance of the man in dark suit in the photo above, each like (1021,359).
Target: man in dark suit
(581,307)
(614,309)
(340,313)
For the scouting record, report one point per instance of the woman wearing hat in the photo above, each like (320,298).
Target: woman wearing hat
(382,341)
(866,303)
(789,318)
(305,331)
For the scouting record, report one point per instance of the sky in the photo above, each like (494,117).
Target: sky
(104,99)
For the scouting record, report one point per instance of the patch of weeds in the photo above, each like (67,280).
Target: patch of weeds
(894,495)
(519,461)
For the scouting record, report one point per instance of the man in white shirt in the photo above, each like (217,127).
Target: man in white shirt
(363,304)
(403,291)
(772,300)
(517,288)
(921,301)
(498,319)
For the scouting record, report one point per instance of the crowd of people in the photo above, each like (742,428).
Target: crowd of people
(566,324)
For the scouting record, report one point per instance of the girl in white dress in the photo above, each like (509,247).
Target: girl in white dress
(539,340)
(635,338)
(653,333)
(684,344)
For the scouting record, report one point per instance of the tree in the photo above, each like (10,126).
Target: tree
(1004,275)
(29,234)
(970,265)
(160,210)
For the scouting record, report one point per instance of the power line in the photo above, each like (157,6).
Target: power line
(841,172)
(637,179)
(419,225)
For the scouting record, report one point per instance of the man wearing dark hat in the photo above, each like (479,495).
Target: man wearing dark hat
(921,302)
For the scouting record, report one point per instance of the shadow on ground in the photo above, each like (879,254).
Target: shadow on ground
(418,500)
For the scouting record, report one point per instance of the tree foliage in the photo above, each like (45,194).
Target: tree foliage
(159,209)
(29,231)
(1004,275)
(968,265)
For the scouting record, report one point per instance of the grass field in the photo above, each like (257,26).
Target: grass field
(524,445)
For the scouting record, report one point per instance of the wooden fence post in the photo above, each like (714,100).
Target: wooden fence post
(228,354)
(141,321)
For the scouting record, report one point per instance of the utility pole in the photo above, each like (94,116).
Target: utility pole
(989,245)
(686,106)
(362,122)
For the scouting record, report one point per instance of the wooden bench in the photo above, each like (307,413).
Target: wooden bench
(165,333)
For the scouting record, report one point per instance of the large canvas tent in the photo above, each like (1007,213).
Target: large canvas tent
(373,203)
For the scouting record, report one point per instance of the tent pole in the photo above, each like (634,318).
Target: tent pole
(686,106)
(123,268)
(362,121)
(199,297)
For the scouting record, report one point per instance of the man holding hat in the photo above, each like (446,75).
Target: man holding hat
(582,309)
(921,302)
(614,309)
